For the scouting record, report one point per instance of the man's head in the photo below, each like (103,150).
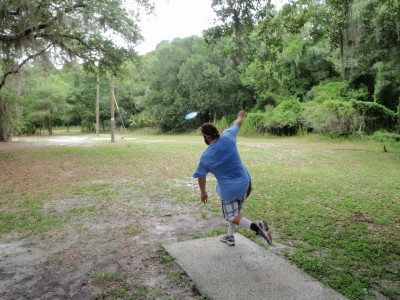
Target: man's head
(209,132)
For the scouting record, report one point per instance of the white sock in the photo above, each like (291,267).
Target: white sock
(231,229)
(246,223)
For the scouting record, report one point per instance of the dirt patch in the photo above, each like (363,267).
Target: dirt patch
(61,264)
(122,240)
(361,217)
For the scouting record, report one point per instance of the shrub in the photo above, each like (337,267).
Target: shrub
(143,120)
(253,123)
(22,127)
(386,137)
(334,118)
(285,119)
(328,90)
(268,98)
(336,90)
(374,116)
(222,124)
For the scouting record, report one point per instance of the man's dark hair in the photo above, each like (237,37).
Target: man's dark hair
(209,130)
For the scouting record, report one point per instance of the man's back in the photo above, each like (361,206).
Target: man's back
(222,159)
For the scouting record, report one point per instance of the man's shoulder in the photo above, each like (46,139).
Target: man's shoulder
(231,132)
(234,129)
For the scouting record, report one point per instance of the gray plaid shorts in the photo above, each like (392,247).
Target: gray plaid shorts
(232,209)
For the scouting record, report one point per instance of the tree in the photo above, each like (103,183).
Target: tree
(238,17)
(60,29)
(184,76)
(43,98)
(284,119)
(372,50)
(340,10)
(288,52)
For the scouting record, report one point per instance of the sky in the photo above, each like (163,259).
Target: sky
(177,18)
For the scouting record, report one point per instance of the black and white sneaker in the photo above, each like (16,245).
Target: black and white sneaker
(230,240)
(264,231)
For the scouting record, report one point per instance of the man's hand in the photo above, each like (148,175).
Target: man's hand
(239,118)
(202,185)
(204,197)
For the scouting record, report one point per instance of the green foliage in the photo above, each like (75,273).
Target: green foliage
(334,118)
(285,119)
(386,137)
(75,28)
(238,18)
(142,120)
(191,77)
(371,55)
(374,116)
(387,89)
(222,124)
(336,89)
(9,114)
(262,77)
(58,31)
(296,48)
(44,101)
(313,51)
(268,99)
(329,90)
(253,123)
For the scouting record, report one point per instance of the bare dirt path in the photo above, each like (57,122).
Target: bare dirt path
(114,251)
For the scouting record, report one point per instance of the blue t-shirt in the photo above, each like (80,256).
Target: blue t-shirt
(222,159)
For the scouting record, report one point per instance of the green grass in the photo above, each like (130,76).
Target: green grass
(337,205)
(115,286)
(334,205)
(175,273)
(27,215)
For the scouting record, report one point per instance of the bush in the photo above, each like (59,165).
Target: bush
(386,137)
(268,98)
(222,124)
(22,127)
(336,90)
(374,116)
(142,120)
(285,119)
(328,90)
(9,113)
(334,118)
(253,123)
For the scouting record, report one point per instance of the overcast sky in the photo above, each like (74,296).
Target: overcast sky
(177,18)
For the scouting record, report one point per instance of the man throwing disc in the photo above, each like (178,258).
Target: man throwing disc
(222,159)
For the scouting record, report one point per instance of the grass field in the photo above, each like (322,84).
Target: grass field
(334,206)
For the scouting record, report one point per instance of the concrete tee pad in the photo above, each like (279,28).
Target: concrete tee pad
(244,271)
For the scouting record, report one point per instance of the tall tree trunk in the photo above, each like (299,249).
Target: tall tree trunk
(50,126)
(238,34)
(5,134)
(112,110)
(398,22)
(97,104)
(341,46)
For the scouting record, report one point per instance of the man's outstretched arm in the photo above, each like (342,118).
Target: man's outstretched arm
(240,117)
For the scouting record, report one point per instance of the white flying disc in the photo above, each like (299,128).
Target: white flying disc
(191,115)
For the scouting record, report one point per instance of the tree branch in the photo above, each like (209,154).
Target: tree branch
(26,32)
(72,37)
(16,70)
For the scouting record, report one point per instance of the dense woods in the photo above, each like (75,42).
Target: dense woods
(330,67)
